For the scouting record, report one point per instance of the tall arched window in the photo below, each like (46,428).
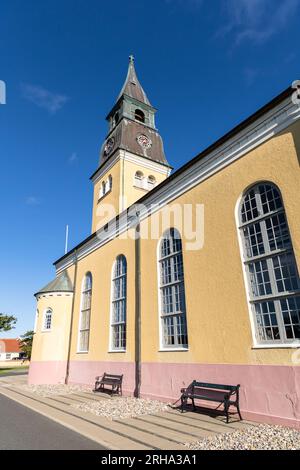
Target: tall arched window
(47,319)
(118,308)
(273,280)
(139,115)
(85,314)
(172,293)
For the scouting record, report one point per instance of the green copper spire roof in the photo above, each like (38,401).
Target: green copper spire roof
(61,283)
(132,86)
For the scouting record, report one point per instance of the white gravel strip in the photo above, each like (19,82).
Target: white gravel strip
(50,390)
(261,437)
(122,407)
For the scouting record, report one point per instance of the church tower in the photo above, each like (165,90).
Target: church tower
(132,159)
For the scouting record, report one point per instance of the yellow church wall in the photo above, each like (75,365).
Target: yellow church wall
(131,192)
(217,310)
(124,191)
(112,197)
(52,344)
(100,265)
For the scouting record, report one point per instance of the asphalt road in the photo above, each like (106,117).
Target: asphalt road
(24,429)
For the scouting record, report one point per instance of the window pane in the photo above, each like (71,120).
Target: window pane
(266,320)
(253,240)
(285,272)
(270,198)
(259,278)
(277,231)
(249,208)
(291,315)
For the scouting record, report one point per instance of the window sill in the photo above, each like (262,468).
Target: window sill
(140,187)
(82,352)
(117,351)
(173,350)
(276,346)
(46,331)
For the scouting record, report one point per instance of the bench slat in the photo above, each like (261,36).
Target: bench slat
(215,386)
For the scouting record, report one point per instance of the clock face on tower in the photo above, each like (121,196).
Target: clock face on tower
(109,146)
(144,141)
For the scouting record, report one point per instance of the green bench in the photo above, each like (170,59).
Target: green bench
(112,380)
(228,395)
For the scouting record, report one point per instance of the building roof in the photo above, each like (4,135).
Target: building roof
(9,345)
(61,283)
(132,86)
(227,137)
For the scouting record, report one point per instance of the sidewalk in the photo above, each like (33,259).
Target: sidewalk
(167,430)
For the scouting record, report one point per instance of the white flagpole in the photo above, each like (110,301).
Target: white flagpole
(67,238)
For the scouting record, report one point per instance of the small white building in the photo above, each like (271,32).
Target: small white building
(9,349)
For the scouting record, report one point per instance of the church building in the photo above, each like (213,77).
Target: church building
(192,274)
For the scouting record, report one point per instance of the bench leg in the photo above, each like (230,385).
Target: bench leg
(226,409)
(194,407)
(183,403)
(239,412)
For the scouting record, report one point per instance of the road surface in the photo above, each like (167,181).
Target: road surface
(24,429)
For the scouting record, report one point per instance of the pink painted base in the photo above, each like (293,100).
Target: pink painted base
(83,372)
(268,394)
(47,372)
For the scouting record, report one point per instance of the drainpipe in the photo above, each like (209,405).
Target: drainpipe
(138,368)
(71,320)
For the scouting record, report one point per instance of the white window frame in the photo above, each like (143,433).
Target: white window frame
(162,346)
(47,311)
(139,179)
(113,324)
(84,292)
(151,182)
(268,255)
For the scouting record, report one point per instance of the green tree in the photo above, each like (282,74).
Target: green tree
(7,322)
(25,342)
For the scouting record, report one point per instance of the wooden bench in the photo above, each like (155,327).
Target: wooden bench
(115,381)
(223,394)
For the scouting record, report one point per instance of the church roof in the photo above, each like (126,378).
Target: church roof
(132,86)
(61,283)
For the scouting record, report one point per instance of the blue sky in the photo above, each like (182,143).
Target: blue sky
(206,65)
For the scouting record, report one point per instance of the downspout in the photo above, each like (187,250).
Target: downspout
(138,368)
(71,320)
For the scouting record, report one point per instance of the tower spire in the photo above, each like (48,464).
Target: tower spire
(132,86)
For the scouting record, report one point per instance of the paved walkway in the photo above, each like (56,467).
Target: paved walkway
(165,430)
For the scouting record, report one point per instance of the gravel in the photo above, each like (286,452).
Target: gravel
(261,437)
(121,408)
(109,407)
(49,390)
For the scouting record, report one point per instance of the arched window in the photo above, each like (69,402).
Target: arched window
(172,292)
(47,319)
(118,308)
(139,115)
(273,280)
(151,182)
(139,179)
(85,314)
(102,189)
(109,183)
(116,118)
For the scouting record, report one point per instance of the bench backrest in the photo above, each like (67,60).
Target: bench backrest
(231,388)
(112,377)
